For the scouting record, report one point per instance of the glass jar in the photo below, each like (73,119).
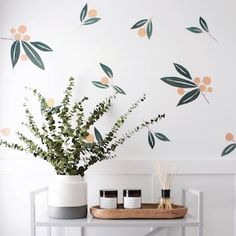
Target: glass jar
(132,198)
(108,198)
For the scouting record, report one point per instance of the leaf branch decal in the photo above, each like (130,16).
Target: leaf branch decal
(152,135)
(204,28)
(231,147)
(20,38)
(88,16)
(197,85)
(107,81)
(145,28)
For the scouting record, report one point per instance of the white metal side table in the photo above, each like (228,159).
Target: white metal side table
(155,225)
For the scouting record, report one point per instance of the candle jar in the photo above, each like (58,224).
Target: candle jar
(108,198)
(132,198)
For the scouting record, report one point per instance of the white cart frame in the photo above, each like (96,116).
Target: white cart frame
(155,225)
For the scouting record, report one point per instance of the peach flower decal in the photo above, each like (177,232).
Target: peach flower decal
(22,40)
(228,149)
(196,85)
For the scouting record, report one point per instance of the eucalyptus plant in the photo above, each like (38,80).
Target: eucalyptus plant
(61,139)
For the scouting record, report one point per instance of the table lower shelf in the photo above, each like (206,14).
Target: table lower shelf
(45,221)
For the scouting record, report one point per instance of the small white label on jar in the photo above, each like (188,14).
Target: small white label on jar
(132,202)
(108,203)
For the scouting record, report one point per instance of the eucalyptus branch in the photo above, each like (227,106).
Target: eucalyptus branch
(130,133)
(98,112)
(121,120)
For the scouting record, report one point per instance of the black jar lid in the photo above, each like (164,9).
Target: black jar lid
(165,193)
(132,192)
(110,193)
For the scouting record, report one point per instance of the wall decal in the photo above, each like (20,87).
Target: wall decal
(228,149)
(88,16)
(5,131)
(197,86)
(204,28)
(152,135)
(20,39)
(107,81)
(145,27)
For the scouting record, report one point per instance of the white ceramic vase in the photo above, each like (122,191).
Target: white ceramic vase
(67,197)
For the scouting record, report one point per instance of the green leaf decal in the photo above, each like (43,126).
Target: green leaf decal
(203,24)
(107,70)
(41,46)
(33,55)
(179,82)
(228,149)
(99,84)
(151,139)
(149,29)
(15,52)
(182,70)
(194,30)
(98,135)
(119,90)
(91,21)
(139,23)
(162,137)
(83,13)
(55,109)
(189,97)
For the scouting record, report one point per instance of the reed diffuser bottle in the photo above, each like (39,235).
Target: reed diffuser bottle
(165,172)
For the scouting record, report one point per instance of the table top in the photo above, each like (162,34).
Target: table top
(44,220)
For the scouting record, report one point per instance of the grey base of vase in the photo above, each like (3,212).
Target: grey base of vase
(67,212)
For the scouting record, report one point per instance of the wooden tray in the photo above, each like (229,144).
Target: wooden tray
(148,211)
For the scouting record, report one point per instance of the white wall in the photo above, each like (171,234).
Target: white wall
(196,130)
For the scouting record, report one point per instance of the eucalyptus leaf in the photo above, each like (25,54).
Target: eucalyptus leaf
(100,85)
(183,71)
(203,24)
(107,70)
(15,52)
(139,23)
(149,29)
(162,137)
(98,135)
(194,30)
(229,149)
(91,21)
(32,55)
(178,82)
(151,139)
(41,46)
(83,13)
(118,89)
(189,97)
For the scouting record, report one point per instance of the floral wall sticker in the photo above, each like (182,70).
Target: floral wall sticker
(159,136)
(204,28)
(144,28)
(196,86)
(107,80)
(23,48)
(88,16)
(229,148)
(5,131)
